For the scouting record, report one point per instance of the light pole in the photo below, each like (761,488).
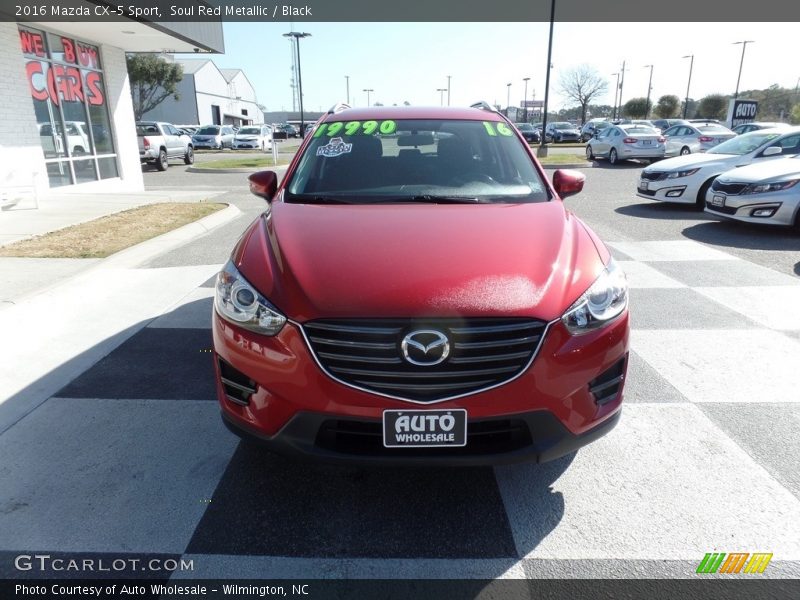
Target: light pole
(448,89)
(508,97)
(297,35)
(691,66)
(616,91)
(542,151)
(649,88)
(525,101)
(744,47)
(441,95)
(368,92)
(347,79)
(621,85)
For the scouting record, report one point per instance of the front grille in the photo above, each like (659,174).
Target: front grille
(725,210)
(728,188)
(367,354)
(366,438)
(653,175)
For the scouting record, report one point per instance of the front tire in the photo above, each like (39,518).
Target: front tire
(685,150)
(700,201)
(162,162)
(612,156)
(589,153)
(188,158)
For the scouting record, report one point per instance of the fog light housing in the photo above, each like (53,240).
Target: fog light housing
(674,193)
(763,213)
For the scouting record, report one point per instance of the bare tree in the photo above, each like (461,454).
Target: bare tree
(581,84)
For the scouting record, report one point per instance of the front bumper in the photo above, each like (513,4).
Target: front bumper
(741,208)
(287,382)
(535,436)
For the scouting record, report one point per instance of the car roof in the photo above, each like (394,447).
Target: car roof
(413,112)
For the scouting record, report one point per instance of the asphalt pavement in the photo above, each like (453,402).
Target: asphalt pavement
(111,442)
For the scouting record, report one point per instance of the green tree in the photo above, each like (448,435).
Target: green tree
(635,108)
(667,106)
(152,80)
(581,84)
(795,116)
(713,106)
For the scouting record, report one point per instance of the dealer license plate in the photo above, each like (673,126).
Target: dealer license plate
(644,184)
(647,142)
(424,428)
(717,200)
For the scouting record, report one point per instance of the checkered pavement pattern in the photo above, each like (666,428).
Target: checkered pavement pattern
(130,459)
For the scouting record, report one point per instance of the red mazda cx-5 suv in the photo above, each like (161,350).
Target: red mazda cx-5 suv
(417,293)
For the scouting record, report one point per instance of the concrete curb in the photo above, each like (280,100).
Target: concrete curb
(136,255)
(277,169)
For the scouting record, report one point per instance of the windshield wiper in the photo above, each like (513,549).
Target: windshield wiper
(434,199)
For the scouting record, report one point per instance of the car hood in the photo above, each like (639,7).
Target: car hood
(690,161)
(762,171)
(247,136)
(409,260)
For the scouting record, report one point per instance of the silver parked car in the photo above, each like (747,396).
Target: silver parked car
(765,193)
(686,179)
(254,136)
(695,137)
(215,137)
(624,142)
(755,126)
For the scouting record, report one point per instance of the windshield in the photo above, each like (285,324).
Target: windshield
(415,160)
(639,129)
(524,126)
(743,144)
(713,129)
(250,131)
(563,126)
(208,131)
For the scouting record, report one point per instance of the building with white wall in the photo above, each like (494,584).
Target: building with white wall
(66,119)
(209,95)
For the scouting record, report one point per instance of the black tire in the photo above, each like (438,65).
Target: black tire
(589,152)
(612,156)
(685,150)
(700,201)
(188,158)
(162,163)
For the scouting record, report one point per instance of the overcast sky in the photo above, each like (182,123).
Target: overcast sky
(409,61)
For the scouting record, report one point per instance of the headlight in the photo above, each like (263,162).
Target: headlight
(239,302)
(605,300)
(686,173)
(760,188)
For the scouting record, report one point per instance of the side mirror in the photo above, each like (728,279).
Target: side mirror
(264,184)
(771,151)
(568,182)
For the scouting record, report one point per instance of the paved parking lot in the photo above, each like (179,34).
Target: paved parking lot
(130,457)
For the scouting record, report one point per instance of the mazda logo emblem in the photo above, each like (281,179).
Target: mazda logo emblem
(425,347)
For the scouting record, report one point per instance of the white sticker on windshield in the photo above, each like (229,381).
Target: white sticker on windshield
(336,147)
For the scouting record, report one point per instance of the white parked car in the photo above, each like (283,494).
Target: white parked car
(765,193)
(623,142)
(216,137)
(687,138)
(686,179)
(254,136)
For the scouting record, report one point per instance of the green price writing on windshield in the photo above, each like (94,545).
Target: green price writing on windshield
(494,128)
(351,128)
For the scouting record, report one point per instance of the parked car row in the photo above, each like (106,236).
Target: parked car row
(751,177)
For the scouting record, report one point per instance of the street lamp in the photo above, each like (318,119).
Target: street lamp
(448,89)
(441,95)
(691,66)
(297,35)
(542,151)
(508,98)
(744,47)
(649,89)
(616,91)
(525,101)
(621,85)
(368,92)
(347,78)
